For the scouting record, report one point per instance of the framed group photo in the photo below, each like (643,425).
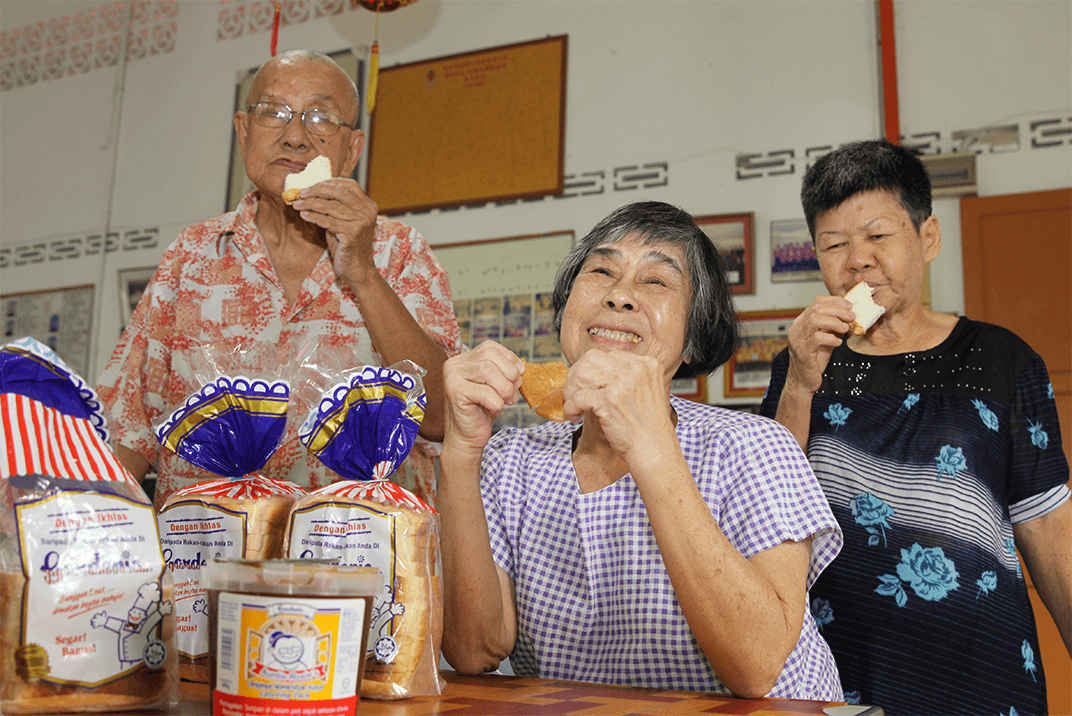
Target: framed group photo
(792,252)
(763,336)
(734,237)
(132,283)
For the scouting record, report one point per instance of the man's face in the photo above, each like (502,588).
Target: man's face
(270,153)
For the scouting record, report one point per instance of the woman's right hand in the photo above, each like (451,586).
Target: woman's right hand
(478,386)
(813,337)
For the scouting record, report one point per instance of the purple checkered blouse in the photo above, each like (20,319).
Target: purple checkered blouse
(594,600)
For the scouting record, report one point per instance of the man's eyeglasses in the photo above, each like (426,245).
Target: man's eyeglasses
(317,121)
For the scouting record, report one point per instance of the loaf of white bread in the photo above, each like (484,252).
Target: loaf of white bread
(417,629)
(315,172)
(266,504)
(866,310)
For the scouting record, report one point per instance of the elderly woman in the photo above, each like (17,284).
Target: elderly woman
(649,541)
(937,441)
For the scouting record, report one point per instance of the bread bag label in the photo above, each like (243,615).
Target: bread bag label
(360,536)
(93,605)
(274,649)
(191,534)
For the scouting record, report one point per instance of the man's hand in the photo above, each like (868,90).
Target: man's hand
(348,217)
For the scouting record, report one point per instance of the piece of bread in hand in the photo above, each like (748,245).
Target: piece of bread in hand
(315,172)
(866,310)
(541,387)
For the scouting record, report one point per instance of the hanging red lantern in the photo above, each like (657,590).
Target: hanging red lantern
(377,6)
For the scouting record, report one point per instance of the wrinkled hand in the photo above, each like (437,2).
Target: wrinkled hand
(628,395)
(348,217)
(814,335)
(478,385)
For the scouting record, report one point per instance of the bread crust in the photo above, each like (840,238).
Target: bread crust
(418,632)
(18,695)
(541,387)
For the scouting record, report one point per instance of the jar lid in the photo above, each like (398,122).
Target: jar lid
(300,577)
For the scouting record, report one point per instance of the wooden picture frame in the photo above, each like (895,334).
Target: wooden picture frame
(690,388)
(734,237)
(763,335)
(479,126)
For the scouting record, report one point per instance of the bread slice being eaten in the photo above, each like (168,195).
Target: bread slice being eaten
(866,310)
(541,387)
(315,172)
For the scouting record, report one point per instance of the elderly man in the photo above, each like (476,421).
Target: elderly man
(326,271)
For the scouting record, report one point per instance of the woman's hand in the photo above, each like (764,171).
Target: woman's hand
(478,387)
(813,337)
(628,395)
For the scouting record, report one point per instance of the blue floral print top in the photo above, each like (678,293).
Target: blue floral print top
(928,459)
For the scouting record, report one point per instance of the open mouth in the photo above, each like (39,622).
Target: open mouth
(620,336)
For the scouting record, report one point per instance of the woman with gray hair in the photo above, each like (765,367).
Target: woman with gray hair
(647,540)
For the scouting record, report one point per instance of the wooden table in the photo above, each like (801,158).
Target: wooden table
(494,694)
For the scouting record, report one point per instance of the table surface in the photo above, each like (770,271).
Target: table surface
(498,694)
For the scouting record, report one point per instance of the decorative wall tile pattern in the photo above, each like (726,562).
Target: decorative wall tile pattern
(86,41)
(76,247)
(1030,133)
(248,17)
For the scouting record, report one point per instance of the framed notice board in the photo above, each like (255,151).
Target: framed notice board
(58,317)
(474,127)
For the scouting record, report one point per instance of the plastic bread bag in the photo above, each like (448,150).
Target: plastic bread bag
(363,428)
(86,604)
(230,427)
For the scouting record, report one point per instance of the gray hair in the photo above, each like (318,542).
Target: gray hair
(292,56)
(711,334)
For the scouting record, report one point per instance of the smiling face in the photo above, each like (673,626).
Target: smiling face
(270,153)
(630,296)
(870,237)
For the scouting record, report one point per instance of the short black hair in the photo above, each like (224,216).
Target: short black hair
(872,165)
(711,334)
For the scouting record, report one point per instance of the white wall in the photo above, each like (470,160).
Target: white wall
(692,83)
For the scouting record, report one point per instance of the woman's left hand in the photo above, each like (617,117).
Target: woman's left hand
(628,395)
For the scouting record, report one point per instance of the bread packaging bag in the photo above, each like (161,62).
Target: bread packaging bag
(86,603)
(363,429)
(230,427)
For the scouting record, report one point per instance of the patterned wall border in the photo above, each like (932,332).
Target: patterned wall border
(76,247)
(247,17)
(84,41)
(1030,133)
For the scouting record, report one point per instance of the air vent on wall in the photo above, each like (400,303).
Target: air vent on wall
(951,174)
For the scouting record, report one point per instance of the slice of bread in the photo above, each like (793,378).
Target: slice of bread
(315,172)
(541,387)
(866,310)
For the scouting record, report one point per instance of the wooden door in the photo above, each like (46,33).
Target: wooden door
(1017,269)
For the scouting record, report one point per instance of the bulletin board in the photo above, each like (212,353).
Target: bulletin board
(60,318)
(474,127)
(502,292)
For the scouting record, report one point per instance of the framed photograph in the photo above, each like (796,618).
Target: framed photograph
(132,283)
(690,388)
(763,336)
(734,237)
(792,252)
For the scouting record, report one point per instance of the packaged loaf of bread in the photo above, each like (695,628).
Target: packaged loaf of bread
(86,604)
(230,427)
(363,429)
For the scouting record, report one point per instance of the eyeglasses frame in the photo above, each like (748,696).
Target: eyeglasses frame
(249,111)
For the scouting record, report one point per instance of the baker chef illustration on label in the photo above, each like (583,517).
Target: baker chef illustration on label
(138,634)
(385,646)
(289,648)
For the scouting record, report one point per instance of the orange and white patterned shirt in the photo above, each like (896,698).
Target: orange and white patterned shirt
(216,286)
